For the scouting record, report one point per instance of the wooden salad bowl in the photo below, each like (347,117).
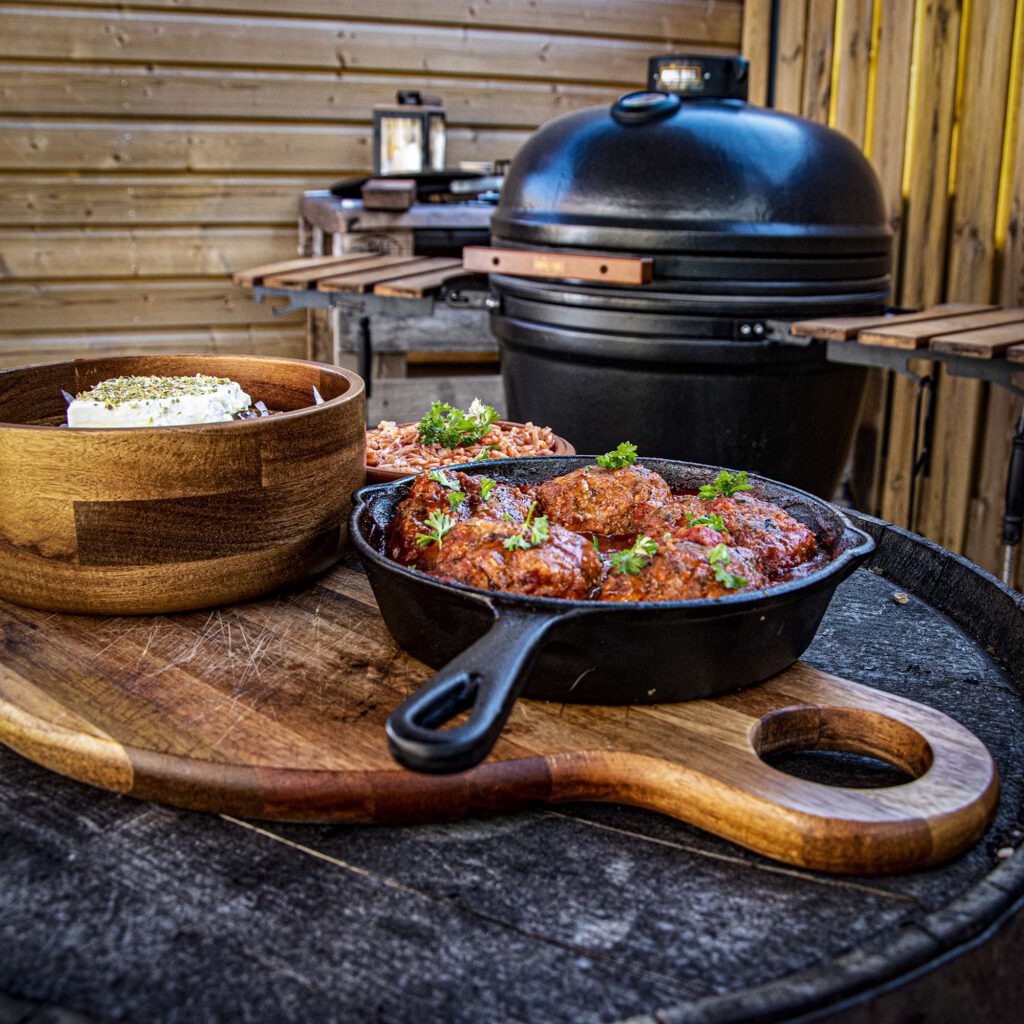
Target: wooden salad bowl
(160,519)
(385,474)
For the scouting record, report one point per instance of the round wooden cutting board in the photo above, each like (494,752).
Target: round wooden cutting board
(276,709)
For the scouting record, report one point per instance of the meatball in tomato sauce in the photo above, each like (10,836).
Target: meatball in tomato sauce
(778,540)
(457,496)
(609,502)
(475,552)
(683,569)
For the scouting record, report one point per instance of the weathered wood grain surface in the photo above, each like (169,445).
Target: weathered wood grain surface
(117,909)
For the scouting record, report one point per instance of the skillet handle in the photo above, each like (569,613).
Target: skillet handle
(485,678)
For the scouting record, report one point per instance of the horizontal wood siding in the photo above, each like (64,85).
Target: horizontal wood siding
(149,150)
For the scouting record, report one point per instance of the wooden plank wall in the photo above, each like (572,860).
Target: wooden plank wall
(932,92)
(148,150)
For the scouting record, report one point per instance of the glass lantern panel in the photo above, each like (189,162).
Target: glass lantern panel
(401,143)
(438,142)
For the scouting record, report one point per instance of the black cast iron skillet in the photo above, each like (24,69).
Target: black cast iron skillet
(489,646)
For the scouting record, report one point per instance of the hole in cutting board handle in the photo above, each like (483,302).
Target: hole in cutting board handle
(841,730)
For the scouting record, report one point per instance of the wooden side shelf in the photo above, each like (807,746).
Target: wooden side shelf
(955,329)
(405,276)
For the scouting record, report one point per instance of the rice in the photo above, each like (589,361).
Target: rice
(390,446)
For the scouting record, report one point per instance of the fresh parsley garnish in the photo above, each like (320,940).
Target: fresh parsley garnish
(455,499)
(484,453)
(726,485)
(718,556)
(439,476)
(624,455)
(440,524)
(594,544)
(486,486)
(712,519)
(531,533)
(638,557)
(450,427)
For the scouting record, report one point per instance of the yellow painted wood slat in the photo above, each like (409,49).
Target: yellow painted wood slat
(160,92)
(756,46)
(150,252)
(926,165)
(820,41)
(142,36)
(854,52)
(979,155)
(213,146)
(885,143)
(662,20)
(789,69)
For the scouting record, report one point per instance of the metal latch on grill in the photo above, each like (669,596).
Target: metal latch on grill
(470,298)
(749,330)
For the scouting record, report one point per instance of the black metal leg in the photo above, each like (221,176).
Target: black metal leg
(924,430)
(1013,514)
(366,354)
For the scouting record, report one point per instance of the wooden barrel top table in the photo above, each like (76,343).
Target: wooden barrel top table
(114,908)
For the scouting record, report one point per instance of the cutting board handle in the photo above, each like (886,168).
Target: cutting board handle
(722,782)
(485,679)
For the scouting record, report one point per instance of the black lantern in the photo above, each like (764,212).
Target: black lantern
(410,136)
(720,77)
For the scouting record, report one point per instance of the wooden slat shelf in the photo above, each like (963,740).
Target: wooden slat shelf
(413,277)
(955,329)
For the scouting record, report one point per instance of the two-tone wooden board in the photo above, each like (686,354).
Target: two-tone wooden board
(275,709)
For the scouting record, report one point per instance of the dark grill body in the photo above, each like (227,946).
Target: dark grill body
(750,216)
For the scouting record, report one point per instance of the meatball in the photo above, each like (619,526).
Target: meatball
(428,494)
(778,540)
(683,570)
(775,537)
(410,519)
(674,517)
(505,502)
(611,502)
(474,553)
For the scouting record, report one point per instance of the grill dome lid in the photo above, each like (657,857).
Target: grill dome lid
(660,173)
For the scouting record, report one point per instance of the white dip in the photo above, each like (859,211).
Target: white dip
(157,402)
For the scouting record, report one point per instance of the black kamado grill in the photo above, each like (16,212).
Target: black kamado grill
(750,216)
